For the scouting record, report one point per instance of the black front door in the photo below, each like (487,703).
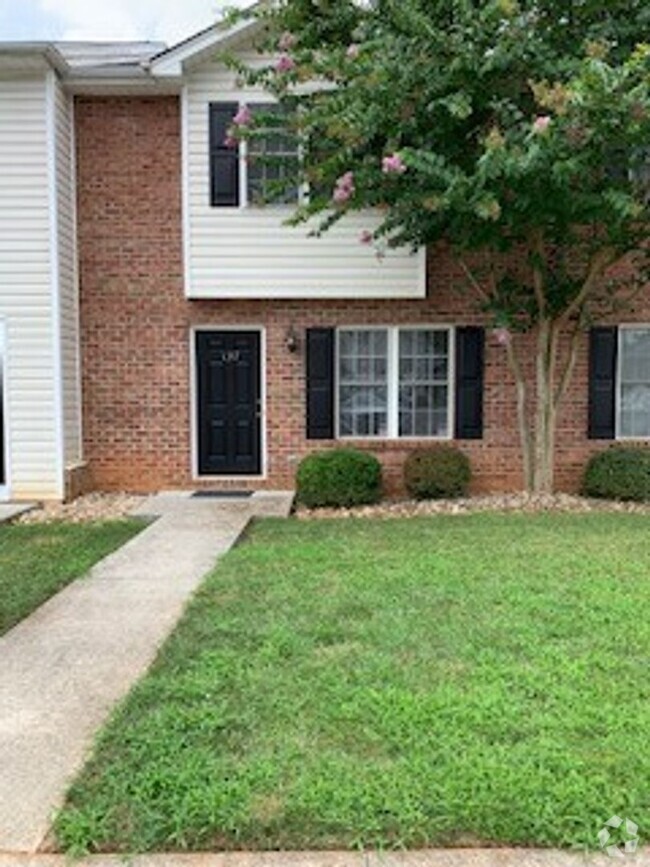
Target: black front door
(229,402)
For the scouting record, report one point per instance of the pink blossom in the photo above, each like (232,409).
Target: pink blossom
(353,51)
(502,336)
(541,124)
(341,195)
(366,237)
(230,141)
(243,116)
(344,189)
(393,165)
(285,63)
(286,41)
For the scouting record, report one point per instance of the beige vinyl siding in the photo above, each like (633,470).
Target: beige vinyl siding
(247,253)
(67,276)
(26,289)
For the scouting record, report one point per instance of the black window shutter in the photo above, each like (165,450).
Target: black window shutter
(603,349)
(320,383)
(224,161)
(470,364)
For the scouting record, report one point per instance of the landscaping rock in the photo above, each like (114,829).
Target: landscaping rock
(526,503)
(91,507)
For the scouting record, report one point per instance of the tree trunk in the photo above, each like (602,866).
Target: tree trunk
(525,434)
(537,424)
(545,415)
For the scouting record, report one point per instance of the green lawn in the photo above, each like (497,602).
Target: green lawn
(400,683)
(37,560)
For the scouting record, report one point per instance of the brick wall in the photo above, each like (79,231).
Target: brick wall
(136,326)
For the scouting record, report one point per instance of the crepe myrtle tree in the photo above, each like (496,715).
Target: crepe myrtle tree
(514,133)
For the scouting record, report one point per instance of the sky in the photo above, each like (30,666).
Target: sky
(165,20)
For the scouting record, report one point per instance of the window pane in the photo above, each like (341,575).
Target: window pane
(363,382)
(635,383)
(423,382)
(635,410)
(272,159)
(635,345)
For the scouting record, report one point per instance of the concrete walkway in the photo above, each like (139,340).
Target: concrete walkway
(427,858)
(64,667)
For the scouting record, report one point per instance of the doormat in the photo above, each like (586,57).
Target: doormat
(223,495)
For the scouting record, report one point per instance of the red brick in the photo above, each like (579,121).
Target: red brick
(136,325)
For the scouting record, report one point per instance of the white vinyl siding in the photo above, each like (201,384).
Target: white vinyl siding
(26,289)
(67,268)
(247,252)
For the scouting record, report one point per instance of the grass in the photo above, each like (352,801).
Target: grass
(442,681)
(38,560)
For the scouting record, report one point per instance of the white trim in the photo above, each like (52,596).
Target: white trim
(392,382)
(627,326)
(242,173)
(185,190)
(57,362)
(75,277)
(170,62)
(194,445)
(392,361)
(5,488)
(422,272)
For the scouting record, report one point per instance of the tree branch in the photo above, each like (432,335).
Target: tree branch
(473,281)
(601,261)
(569,367)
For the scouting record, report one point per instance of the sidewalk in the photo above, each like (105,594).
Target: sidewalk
(427,858)
(64,667)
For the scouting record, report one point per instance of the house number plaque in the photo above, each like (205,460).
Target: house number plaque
(231,356)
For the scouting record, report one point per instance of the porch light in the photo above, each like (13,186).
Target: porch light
(291,340)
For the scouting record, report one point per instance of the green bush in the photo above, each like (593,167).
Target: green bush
(338,478)
(436,473)
(620,473)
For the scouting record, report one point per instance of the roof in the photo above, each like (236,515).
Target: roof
(145,62)
(30,56)
(223,34)
(80,55)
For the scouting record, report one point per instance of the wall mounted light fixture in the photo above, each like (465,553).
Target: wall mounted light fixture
(291,340)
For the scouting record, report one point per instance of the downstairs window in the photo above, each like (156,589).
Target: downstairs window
(634,383)
(395,382)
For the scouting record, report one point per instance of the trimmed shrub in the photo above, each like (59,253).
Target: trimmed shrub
(436,473)
(619,473)
(338,478)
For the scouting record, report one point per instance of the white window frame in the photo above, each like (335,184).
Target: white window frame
(628,326)
(244,202)
(392,382)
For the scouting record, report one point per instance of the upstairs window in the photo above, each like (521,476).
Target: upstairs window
(271,162)
(256,172)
